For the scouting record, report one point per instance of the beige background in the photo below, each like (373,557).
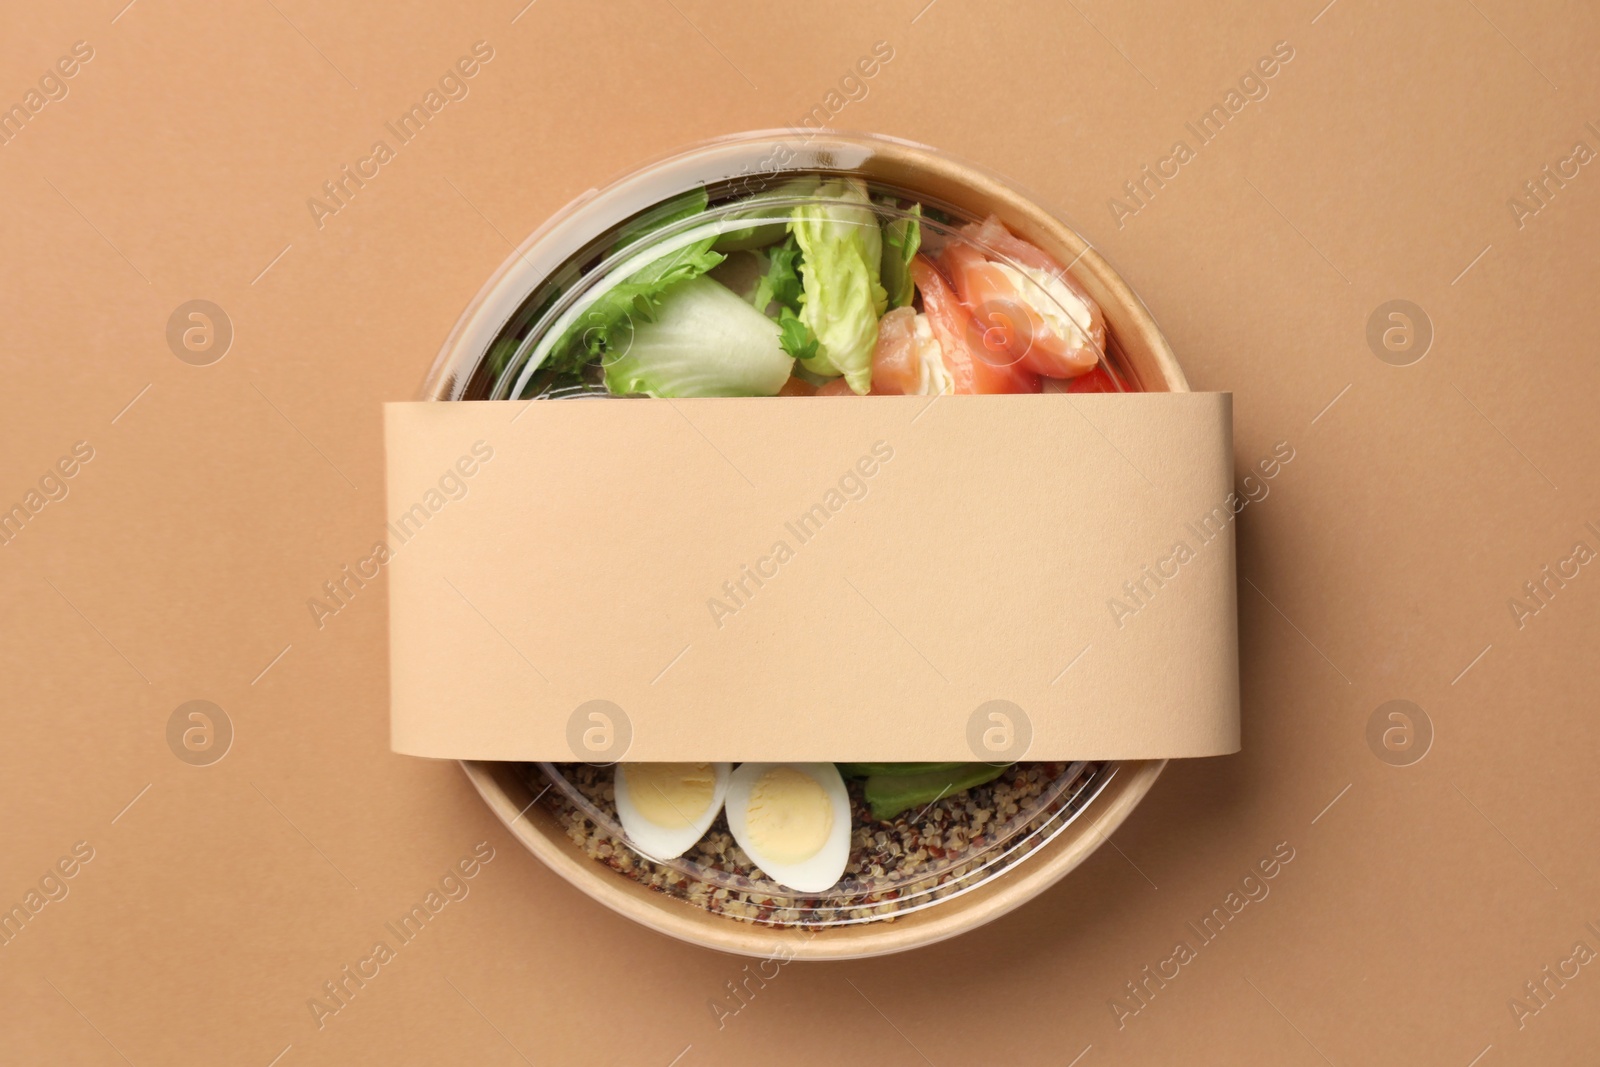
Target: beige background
(1380,566)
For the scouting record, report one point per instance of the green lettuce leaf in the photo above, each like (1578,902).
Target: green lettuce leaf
(685,205)
(781,285)
(841,250)
(795,336)
(768,222)
(781,282)
(901,239)
(636,299)
(702,340)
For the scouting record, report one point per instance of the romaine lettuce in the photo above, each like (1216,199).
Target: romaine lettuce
(702,340)
(637,298)
(901,239)
(841,253)
(768,217)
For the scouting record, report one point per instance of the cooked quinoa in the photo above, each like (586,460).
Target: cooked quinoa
(895,866)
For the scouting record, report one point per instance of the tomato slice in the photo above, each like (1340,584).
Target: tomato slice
(797,387)
(975,366)
(1099,380)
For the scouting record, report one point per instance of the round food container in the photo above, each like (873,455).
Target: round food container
(1010,299)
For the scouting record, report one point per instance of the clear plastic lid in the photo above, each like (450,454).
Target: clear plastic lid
(932,854)
(819,283)
(1008,316)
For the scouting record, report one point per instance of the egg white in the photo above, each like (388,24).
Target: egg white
(657,842)
(820,871)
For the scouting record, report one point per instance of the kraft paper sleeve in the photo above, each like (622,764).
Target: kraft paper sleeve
(866,579)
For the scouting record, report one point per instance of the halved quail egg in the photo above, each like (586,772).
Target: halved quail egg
(793,821)
(666,807)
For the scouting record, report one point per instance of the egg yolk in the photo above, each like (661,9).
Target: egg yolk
(790,815)
(671,795)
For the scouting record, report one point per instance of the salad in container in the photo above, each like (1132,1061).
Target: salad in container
(833,268)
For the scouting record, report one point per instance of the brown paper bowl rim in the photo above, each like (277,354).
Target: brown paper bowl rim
(1142,350)
(514,805)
